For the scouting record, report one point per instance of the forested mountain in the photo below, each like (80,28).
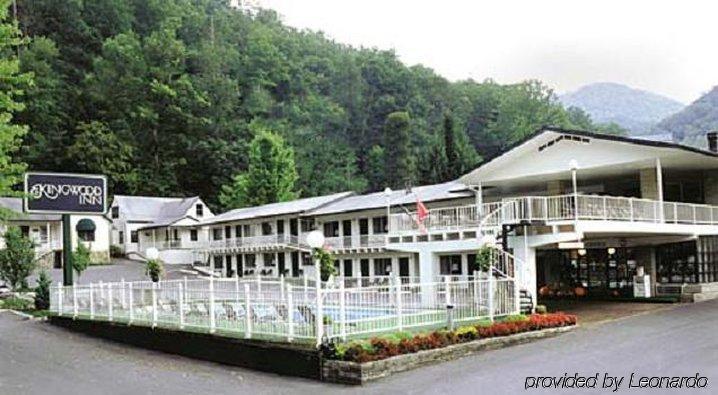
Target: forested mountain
(690,124)
(164,96)
(633,109)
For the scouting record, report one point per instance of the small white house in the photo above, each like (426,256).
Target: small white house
(46,231)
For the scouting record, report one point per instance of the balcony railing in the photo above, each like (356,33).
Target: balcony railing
(359,241)
(257,241)
(556,209)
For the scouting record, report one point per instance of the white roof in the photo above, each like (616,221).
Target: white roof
(155,211)
(14,204)
(426,193)
(273,209)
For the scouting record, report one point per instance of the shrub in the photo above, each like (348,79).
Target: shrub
(17,259)
(398,343)
(116,251)
(42,291)
(81,258)
(15,303)
(154,269)
(541,309)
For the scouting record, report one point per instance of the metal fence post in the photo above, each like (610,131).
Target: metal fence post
(109,301)
(319,313)
(281,287)
(74,300)
(212,323)
(491,295)
(290,314)
(92,303)
(236,289)
(306,290)
(447,291)
(154,304)
(60,291)
(181,306)
(399,305)
(186,286)
(123,304)
(132,317)
(342,311)
(247,313)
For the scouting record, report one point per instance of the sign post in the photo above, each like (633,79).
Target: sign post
(65,194)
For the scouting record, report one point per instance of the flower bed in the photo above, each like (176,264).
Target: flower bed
(379,348)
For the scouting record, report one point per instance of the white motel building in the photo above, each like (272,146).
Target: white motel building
(614,216)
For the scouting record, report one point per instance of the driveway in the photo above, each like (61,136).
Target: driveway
(38,358)
(126,269)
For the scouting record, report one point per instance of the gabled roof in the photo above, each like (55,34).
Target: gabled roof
(298,206)
(591,151)
(15,204)
(155,211)
(427,193)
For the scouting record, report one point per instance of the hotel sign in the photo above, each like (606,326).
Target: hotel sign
(60,193)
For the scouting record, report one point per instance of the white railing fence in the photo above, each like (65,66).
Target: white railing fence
(556,208)
(284,310)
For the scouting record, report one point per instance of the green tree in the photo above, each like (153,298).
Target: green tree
(12,83)
(453,166)
(42,291)
(398,156)
(270,177)
(98,150)
(81,258)
(17,259)
(376,168)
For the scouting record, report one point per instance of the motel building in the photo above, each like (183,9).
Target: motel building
(45,230)
(572,213)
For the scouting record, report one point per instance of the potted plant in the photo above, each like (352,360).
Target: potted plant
(154,269)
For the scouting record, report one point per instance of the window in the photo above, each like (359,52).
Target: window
(266,228)
(364,267)
(269,259)
(363,226)
(121,237)
(307,259)
(382,266)
(331,229)
(677,263)
(133,236)
(218,262)
(379,225)
(227,232)
(250,260)
(449,264)
(199,209)
(85,229)
(308,225)
(247,230)
(238,231)
(175,234)
(216,233)
(193,234)
(116,212)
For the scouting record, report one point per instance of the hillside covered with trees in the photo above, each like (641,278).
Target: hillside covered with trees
(176,97)
(691,124)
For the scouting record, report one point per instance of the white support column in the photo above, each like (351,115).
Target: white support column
(60,292)
(181,306)
(110,315)
(399,306)
(154,304)
(92,303)
(212,318)
(290,314)
(74,300)
(659,187)
(491,285)
(132,316)
(247,313)
(122,294)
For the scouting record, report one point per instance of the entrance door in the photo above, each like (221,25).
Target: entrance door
(347,231)
(280,263)
(348,269)
(364,267)
(295,264)
(403,267)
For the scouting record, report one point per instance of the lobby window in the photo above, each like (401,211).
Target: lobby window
(199,210)
(449,265)
(193,234)
(331,229)
(379,225)
(116,212)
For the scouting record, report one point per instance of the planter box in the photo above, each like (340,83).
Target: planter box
(360,373)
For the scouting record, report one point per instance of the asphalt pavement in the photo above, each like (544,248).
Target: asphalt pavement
(38,358)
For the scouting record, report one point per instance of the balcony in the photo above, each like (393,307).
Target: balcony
(354,243)
(257,243)
(554,209)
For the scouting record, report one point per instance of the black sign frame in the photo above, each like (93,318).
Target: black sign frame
(27,196)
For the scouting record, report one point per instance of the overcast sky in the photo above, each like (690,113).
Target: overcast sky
(665,47)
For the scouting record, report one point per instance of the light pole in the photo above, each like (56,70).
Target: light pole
(315,240)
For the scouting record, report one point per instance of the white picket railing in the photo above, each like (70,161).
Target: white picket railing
(554,209)
(287,310)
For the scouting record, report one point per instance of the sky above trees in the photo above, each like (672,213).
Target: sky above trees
(660,46)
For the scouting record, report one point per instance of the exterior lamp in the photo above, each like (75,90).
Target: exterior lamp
(582,252)
(611,250)
(315,239)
